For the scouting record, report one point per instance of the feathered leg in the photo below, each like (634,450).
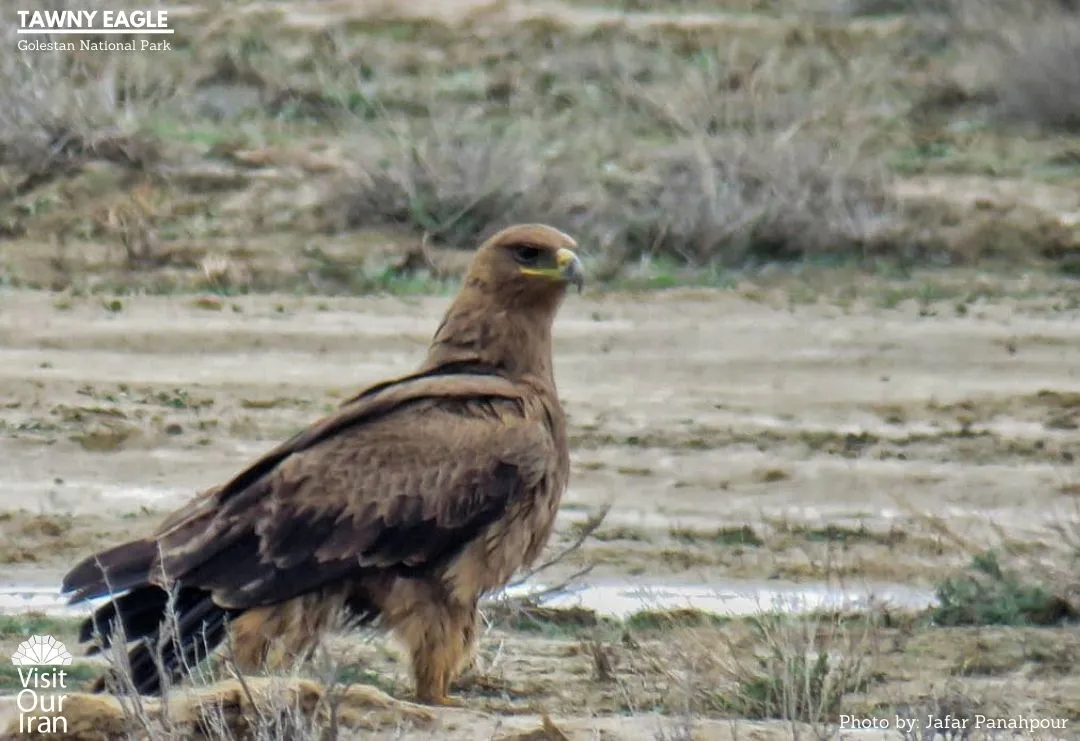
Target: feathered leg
(470,638)
(278,637)
(440,637)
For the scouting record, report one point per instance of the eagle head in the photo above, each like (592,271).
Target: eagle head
(527,264)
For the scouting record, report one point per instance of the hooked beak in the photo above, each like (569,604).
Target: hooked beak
(570,268)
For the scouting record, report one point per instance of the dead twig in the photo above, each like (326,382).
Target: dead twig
(590,526)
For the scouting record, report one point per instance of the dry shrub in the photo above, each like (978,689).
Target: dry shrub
(728,156)
(61,110)
(801,668)
(756,175)
(753,200)
(452,181)
(1038,77)
(1026,53)
(733,200)
(950,699)
(772,666)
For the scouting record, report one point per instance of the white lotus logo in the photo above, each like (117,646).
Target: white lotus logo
(38,650)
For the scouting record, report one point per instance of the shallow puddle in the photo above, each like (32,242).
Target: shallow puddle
(733,599)
(17,599)
(619,600)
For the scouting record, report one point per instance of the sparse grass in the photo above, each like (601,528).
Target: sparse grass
(672,154)
(801,669)
(212,707)
(990,594)
(735,536)
(76,675)
(798,669)
(668,620)
(34,623)
(838,533)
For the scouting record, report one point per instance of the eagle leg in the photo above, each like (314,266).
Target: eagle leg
(441,638)
(278,637)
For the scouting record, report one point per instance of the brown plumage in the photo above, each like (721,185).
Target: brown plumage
(418,496)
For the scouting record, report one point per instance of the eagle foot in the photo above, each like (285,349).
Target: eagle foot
(444,701)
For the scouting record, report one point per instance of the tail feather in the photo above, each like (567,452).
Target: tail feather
(168,646)
(170,637)
(112,571)
(137,614)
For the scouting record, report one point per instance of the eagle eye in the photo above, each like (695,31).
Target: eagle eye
(526,255)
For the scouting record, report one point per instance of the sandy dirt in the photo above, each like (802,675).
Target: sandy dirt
(692,412)
(736,434)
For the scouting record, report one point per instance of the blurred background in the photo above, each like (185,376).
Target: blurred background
(313,146)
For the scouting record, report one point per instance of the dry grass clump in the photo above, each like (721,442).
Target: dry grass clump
(49,129)
(1038,79)
(59,108)
(801,669)
(1023,56)
(735,200)
(772,666)
(218,702)
(1027,54)
(451,181)
(263,708)
(753,201)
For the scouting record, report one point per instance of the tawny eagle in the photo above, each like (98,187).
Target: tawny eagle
(415,498)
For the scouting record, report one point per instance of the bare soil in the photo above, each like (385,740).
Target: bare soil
(736,434)
(693,412)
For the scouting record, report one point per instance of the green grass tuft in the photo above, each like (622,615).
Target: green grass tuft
(987,594)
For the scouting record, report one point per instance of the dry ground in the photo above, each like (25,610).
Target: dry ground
(843,436)
(862,436)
